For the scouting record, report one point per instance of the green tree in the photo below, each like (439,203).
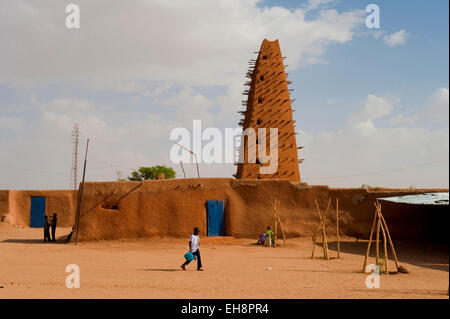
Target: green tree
(146,173)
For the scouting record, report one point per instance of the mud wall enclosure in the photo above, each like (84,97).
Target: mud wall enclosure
(15,205)
(130,210)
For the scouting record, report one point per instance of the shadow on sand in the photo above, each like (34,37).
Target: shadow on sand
(60,240)
(161,269)
(411,252)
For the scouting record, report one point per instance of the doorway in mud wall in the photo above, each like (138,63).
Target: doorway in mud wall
(37,212)
(215,218)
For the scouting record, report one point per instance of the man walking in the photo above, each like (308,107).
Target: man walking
(46,229)
(194,244)
(53,225)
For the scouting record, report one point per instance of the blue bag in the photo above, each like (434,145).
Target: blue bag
(189,256)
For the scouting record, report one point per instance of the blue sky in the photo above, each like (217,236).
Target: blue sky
(367,100)
(365,64)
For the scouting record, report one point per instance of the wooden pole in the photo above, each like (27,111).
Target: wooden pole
(279,221)
(282,231)
(377,241)
(81,194)
(385,250)
(324,235)
(320,222)
(337,228)
(275,234)
(390,242)
(324,230)
(275,222)
(370,242)
(315,240)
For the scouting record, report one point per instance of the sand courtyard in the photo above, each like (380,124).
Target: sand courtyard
(234,268)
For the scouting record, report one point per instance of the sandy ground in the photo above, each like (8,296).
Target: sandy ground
(233,269)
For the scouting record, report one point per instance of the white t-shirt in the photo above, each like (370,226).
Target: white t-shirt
(195,241)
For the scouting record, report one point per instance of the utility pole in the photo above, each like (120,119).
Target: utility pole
(74,171)
(80,195)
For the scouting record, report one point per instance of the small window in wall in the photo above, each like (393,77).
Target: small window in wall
(261,78)
(264,57)
(259,121)
(110,206)
(260,100)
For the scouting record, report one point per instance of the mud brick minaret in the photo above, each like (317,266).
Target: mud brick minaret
(269,106)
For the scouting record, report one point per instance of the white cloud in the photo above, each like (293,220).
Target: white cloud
(437,107)
(362,153)
(187,101)
(344,158)
(314,4)
(122,140)
(164,48)
(163,53)
(120,43)
(378,34)
(402,119)
(119,140)
(396,38)
(11,123)
(374,107)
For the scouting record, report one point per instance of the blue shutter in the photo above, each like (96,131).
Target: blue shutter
(37,212)
(215,217)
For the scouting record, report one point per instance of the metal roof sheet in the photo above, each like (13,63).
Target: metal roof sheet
(420,199)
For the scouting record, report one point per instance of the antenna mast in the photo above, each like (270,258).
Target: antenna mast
(74,173)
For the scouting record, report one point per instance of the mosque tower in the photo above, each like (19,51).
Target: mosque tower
(269,106)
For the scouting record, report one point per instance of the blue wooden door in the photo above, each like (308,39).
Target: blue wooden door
(37,212)
(215,217)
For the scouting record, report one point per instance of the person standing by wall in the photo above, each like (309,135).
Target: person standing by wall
(46,229)
(270,237)
(53,225)
(194,244)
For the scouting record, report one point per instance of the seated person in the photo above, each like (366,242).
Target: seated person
(261,239)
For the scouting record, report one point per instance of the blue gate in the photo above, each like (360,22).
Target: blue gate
(37,212)
(215,217)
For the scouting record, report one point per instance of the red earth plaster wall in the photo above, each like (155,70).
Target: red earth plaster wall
(174,207)
(18,204)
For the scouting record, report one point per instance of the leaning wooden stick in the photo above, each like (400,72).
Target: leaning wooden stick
(370,242)
(282,229)
(377,241)
(315,240)
(322,226)
(275,205)
(390,242)
(324,230)
(275,234)
(337,228)
(385,250)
